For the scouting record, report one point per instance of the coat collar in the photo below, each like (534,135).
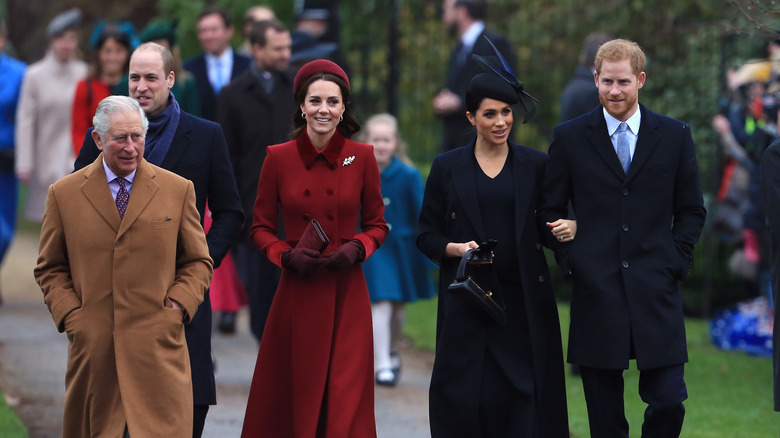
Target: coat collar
(180,143)
(465,176)
(330,153)
(646,141)
(97,192)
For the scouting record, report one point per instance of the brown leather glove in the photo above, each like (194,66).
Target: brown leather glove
(344,256)
(302,261)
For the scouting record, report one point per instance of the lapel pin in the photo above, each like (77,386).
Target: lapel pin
(348,161)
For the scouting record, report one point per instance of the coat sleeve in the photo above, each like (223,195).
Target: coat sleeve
(52,272)
(81,120)
(265,223)
(26,125)
(432,240)
(555,196)
(373,228)
(689,212)
(194,267)
(224,202)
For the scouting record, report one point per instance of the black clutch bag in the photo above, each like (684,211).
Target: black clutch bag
(474,297)
(314,237)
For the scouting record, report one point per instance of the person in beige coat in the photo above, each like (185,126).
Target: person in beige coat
(122,285)
(44,151)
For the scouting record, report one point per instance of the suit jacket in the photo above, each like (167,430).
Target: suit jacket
(240,106)
(457,129)
(198,153)
(208,99)
(635,237)
(770,191)
(450,213)
(108,283)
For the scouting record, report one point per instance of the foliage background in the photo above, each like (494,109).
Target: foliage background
(689,45)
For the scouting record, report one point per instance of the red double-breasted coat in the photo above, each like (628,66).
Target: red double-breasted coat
(314,371)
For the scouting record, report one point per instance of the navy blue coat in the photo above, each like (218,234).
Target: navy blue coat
(208,99)
(770,191)
(635,237)
(198,153)
(450,213)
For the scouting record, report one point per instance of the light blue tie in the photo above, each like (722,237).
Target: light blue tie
(220,80)
(623,152)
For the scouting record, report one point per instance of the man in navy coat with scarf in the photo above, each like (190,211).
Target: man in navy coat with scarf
(194,149)
(633,181)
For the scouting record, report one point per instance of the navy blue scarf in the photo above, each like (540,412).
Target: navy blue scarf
(162,127)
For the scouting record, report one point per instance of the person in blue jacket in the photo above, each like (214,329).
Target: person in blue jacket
(397,273)
(11,74)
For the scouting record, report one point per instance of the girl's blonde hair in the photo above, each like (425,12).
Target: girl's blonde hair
(387,119)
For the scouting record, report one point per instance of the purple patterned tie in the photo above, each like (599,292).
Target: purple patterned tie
(122,197)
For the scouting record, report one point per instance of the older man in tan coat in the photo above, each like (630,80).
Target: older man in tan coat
(123,265)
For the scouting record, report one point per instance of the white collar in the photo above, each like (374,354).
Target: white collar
(110,176)
(469,37)
(224,58)
(633,122)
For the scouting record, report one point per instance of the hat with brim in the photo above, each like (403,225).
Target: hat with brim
(68,20)
(159,30)
(318,66)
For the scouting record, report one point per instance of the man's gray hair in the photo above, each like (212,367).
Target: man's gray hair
(115,104)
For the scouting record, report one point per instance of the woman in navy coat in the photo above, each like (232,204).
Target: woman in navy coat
(491,380)
(398,273)
(314,374)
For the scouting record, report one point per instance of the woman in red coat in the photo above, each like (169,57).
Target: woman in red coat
(314,374)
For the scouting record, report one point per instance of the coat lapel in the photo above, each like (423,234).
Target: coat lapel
(95,188)
(599,139)
(464,179)
(180,143)
(525,176)
(646,141)
(144,189)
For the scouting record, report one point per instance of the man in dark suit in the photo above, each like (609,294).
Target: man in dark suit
(466,19)
(633,181)
(218,64)
(770,192)
(580,95)
(255,112)
(195,149)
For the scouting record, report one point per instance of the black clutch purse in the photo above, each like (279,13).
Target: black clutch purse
(314,237)
(473,296)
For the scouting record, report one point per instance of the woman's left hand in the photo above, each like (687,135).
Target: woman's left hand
(564,230)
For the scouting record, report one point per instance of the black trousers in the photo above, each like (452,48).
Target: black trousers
(663,389)
(260,278)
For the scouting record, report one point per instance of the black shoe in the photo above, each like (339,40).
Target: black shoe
(227,323)
(386,377)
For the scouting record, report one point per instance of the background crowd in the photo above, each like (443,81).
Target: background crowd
(404,69)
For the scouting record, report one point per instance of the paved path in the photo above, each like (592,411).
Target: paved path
(33,356)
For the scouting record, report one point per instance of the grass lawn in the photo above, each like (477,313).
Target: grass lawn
(10,425)
(729,393)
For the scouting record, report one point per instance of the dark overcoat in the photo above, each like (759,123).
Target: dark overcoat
(240,107)
(635,237)
(770,192)
(208,99)
(315,368)
(198,153)
(450,213)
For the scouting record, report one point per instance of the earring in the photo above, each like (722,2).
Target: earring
(341,118)
(303,114)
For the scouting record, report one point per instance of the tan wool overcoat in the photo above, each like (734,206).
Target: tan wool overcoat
(108,283)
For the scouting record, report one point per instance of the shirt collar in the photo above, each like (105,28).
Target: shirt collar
(224,58)
(633,122)
(309,154)
(471,34)
(110,176)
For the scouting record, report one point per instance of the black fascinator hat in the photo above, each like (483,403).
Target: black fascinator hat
(500,83)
